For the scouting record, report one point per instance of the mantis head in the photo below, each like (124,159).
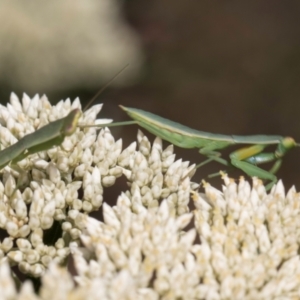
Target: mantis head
(71,121)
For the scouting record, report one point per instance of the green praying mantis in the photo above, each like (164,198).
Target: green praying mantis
(246,159)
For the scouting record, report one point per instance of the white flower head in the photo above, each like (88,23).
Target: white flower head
(44,189)
(238,243)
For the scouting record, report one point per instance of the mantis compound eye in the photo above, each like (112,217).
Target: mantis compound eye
(289,143)
(286,144)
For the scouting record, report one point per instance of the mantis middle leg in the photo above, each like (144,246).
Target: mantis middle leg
(213,156)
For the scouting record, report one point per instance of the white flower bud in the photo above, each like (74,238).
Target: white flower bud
(16,256)
(63,163)
(73,214)
(125,157)
(46,221)
(87,206)
(75,233)
(66,226)
(77,204)
(7,244)
(10,186)
(59,244)
(46,260)
(87,157)
(54,174)
(24,267)
(36,237)
(21,209)
(37,270)
(23,244)
(34,221)
(3,219)
(80,170)
(12,229)
(108,181)
(32,256)
(116,171)
(59,215)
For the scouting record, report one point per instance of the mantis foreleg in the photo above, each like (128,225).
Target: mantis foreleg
(252,170)
(247,159)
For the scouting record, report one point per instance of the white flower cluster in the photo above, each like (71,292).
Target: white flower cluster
(43,189)
(85,163)
(248,249)
(249,241)
(132,251)
(154,175)
(238,243)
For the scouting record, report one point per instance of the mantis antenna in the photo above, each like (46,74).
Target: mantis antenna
(104,87)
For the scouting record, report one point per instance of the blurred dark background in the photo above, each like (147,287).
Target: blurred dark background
(230,67)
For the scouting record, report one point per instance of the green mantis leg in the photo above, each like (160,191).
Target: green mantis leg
(264,158)
(247,159)
(213,156)
(252,170)
(276,166)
